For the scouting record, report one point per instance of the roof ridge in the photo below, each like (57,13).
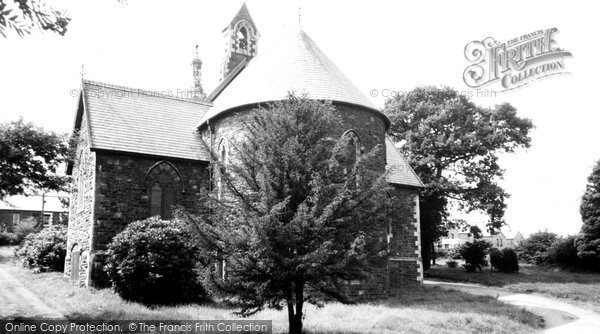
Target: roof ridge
(144,92)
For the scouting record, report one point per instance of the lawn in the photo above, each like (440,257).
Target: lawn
(580,288)
(414,310)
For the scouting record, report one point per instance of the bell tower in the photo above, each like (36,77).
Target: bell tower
(241,39)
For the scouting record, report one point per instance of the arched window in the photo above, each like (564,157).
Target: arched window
(163,182)
(224,160)
(353,147)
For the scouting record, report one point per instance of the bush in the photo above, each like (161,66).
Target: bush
(505,260)
(535,248)
(8,239)
(44,250)
(153,261)
(495,258)
(474,254)
(452,264)
(564,253)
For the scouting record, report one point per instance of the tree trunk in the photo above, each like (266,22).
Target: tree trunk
(295,299)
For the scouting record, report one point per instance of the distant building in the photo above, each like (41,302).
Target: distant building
(505,239)
(17,208)
(457,237)
(454,239)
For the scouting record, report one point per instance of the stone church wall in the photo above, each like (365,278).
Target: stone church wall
(80,214)
(122,196)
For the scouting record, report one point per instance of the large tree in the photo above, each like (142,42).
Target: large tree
(30,158)
(588,245)
(453,145)
(21,16)
(300,215)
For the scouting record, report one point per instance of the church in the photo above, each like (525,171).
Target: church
(138,154)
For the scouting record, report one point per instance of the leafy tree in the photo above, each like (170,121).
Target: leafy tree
(298,211)
(588,245)
(474,254)
(22,16)
(476,232)
(29,158)
(453,145)
(535,248)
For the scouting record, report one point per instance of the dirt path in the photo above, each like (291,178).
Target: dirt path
(16,301)
(560,317)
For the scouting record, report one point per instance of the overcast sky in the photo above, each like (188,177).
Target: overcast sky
(380,45)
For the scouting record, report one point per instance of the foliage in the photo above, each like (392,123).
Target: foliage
(453,145)
(474,254)
(45,250)
(535,248)
(588,245)
(153,261)
(495,257)
(18,233)
(563,253)
(29,158)
(300,210)
(505,260)
(22,16)
(452,264)
(8,239)
(475,232)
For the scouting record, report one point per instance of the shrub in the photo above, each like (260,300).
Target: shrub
(153,261)
(452,264)
(535,248)
(44,250)
(564,253)
(506,260)
(24,228)
(474,254)
(9,239)
(495,258)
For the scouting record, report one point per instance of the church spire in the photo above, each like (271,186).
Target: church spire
(241,38)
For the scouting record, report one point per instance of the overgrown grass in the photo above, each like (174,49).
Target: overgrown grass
(414,310)
(578,287)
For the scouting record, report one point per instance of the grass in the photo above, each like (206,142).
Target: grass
(580,288)
(414,310)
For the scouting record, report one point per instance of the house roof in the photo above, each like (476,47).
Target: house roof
(34,203)
(132,120)
(399,171)
(295,64)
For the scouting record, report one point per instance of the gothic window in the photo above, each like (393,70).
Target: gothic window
(353,148)
(224,159)
(163,182)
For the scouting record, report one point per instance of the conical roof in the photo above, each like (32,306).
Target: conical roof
(294,64)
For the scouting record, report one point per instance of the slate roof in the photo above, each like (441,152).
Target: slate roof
(34,203)
(399,171)
(132,120)
(294,64)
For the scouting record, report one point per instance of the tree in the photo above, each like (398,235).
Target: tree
(29,158)
(298,211)
(22,16)
(453,146)
(588,245)
(535,248)
(476,232)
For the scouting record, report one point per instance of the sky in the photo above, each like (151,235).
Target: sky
(382,46)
